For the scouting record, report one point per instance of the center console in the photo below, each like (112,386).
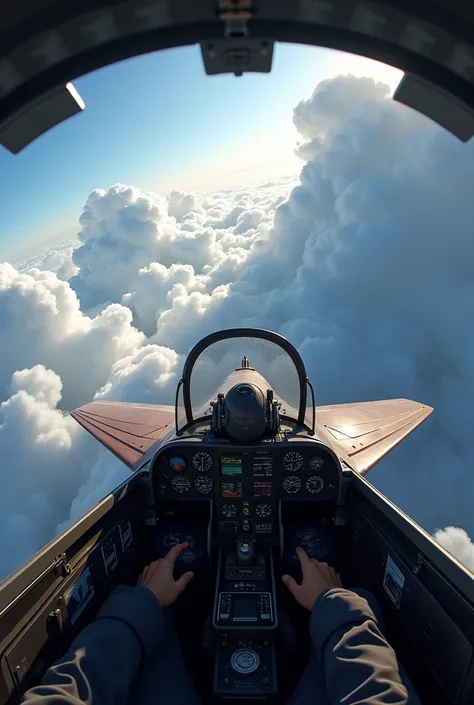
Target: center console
(245,619)
(242,493)
(245,667)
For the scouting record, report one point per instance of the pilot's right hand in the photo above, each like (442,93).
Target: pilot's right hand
(317,577)
(158,577)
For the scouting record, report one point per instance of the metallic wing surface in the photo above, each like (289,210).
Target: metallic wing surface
(364,433)
(127,430)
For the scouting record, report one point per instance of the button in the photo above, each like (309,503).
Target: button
(265,681)
(265,616)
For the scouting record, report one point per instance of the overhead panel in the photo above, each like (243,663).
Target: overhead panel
(237,55)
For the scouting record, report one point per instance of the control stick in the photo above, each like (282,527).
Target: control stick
(245,550)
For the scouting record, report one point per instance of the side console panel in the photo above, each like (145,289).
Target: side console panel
(388,560)
(60,603)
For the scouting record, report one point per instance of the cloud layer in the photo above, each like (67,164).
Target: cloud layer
(46,458)
(366,264)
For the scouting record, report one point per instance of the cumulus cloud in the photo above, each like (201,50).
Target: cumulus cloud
(128,237)
(41,323)
(41,384)
(149,376)
(457,542)
(46,458)
(155,288)
(367,266)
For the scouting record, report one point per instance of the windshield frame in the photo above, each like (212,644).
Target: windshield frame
(226,334)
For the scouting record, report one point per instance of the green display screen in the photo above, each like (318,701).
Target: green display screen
(231,465)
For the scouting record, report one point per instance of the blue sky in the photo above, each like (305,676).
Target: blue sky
(158,122)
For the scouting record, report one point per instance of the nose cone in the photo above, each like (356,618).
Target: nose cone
(245,412)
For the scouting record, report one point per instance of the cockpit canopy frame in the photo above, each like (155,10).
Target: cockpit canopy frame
(226,334)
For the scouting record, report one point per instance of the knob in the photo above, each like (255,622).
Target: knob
(245,661)
(245,550)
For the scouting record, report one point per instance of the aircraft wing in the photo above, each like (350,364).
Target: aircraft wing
(128,430)
(364,433)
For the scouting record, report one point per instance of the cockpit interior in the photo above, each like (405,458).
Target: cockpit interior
(249,468)
(244,472)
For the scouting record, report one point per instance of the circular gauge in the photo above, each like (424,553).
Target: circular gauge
(203,485)
(229,511)
(316,463)
(292,461)
(202,462)
(314,484)
(292,484)
(181,484)
(177,464)
(263,510)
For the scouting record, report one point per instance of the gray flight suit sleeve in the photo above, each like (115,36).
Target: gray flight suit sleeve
(104,659)
(360,667)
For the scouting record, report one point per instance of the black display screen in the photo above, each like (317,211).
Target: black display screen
(244,607)
(231,465)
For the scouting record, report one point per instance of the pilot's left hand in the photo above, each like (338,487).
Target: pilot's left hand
(158,577)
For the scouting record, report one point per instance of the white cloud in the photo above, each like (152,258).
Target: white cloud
(41,322)
(44,385)
(367,266)
(54,255)
(46,457)
(59,261)
(148,376)
(124,233)
(155,288)
(457,542)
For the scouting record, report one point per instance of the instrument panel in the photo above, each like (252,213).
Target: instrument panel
(246,484)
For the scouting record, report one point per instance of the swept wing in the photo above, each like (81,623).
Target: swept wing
(364,433)
(126,429)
